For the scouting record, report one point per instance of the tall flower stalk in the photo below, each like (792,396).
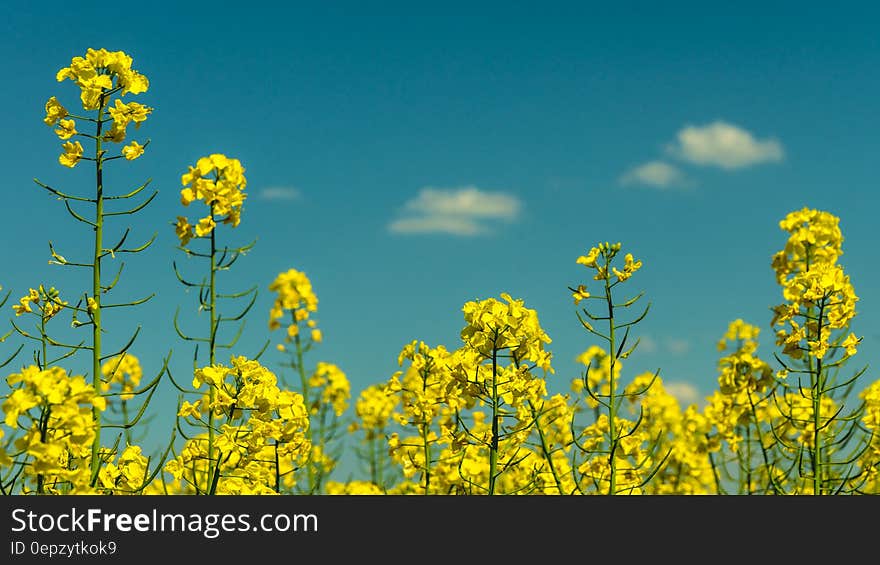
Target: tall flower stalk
(618,460)
(104,79)
(219,183)
(496,368)
(813,329)
(326,390)
(741,412)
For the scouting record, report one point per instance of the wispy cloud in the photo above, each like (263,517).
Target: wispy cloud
(677,346)
(668,345)
(724,145)
(278,193)
(685,393)
(465,211)
(657,174)
(646,345)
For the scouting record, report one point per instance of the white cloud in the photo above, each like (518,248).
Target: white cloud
(658,174)
(468,201)
(437,224)
(675,346)
(277,193)
(678,346)
(647,344)
(685,393)
(465,211)
(724,145)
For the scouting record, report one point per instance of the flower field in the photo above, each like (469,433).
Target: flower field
(469,417)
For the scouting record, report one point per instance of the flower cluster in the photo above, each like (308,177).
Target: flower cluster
(294,294)
(219,182)
(426,399)
(742,371)
(802,423)
(262,437)
(449,444)
(495,326)
(820,298)
(47,302)
(870,459)
(599,258)
(335,390)
(55,410)
(99,75)
(814,238)
(737,408)
(128,475)
(490,396)
(123,369)
(598,376)
(373,409)
(682,435)
(101,71)
(624,468)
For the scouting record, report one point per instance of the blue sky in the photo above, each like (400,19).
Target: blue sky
(410,158)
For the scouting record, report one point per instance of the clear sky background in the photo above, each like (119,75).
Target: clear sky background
(411,157)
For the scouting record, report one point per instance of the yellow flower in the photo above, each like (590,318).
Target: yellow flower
(73,151)
(183,229)
(54,112)
(122,114)
(589,260)
(187,196)
(630,267)
(66,129)
(115,134)
(205,226)
(24,305)
(850,344)
(187,409)
(580,294)
(133,150)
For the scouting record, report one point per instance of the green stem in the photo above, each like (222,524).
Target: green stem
(612,398)
(714,467)
(277,470)
(44,420)
(212,345)
(127,423)
(493,447)
(545,449)
(764,454)
(377,462)
(748,459)
(96,284)
(426,449)
(818,391)
(374,470)
(320,473)
(815,387)
(304,382)
(424,427)
(43,341)
(44,425)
